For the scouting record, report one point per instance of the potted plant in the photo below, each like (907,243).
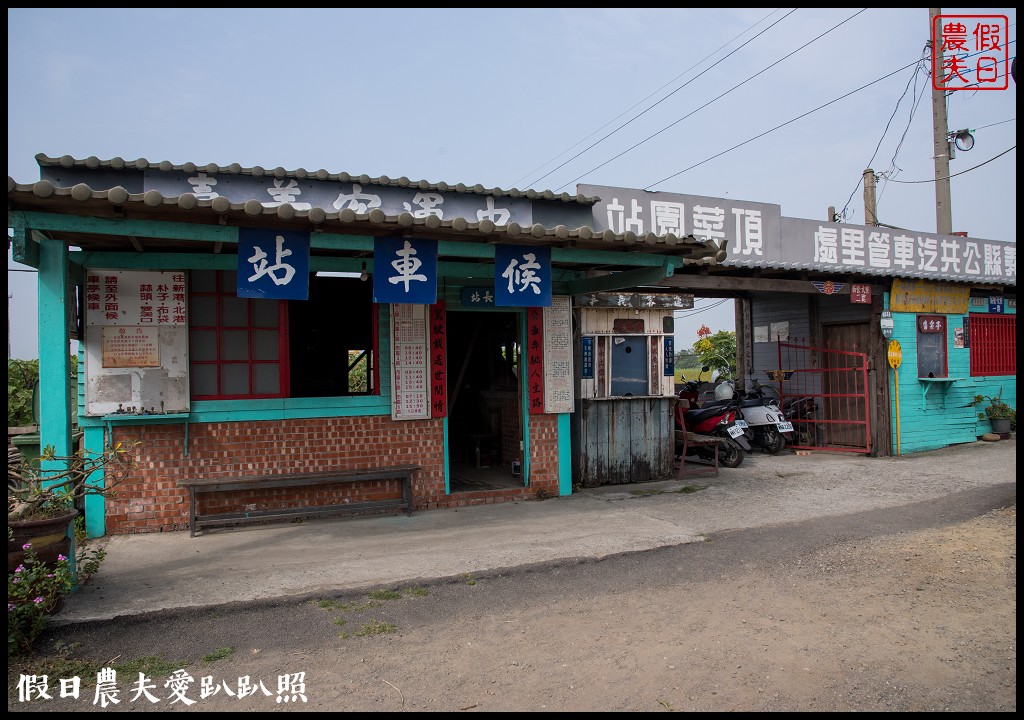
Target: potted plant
(1002,416)
(41,509)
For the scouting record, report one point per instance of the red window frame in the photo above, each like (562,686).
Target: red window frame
(993,341)
(220,327)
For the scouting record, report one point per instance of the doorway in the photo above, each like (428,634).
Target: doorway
(485,429)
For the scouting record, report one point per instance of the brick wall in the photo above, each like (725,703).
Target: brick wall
(151,501)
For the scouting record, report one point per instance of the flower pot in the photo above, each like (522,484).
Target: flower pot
(48,536)
(1001,426)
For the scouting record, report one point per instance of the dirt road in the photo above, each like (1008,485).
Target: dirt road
(859,613)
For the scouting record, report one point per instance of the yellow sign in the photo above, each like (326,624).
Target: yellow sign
(925,296)
(895,354)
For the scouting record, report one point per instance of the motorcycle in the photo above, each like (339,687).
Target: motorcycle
(802,412)
(719,419)
(767,427)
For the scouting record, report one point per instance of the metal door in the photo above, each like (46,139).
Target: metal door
(629,365)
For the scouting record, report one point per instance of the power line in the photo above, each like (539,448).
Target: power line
(706,70)
(896,109)
(709,102)
(994,124)
(912,182)
(640,102)
(788,122)
(893,167)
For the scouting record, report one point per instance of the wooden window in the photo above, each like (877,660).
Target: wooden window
(993,342)
(931,346)
(325,346)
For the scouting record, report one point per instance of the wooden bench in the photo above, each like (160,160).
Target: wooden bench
(690,440)
(288,480)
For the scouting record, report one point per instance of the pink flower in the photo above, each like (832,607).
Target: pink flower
(26,546)
(61,557)
(38,600)
(20,568)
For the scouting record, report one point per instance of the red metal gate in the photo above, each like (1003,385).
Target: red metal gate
(833,385)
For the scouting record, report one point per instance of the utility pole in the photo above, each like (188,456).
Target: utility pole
(940,136)
(870,208)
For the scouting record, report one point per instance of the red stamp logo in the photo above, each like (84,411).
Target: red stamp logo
(970,52)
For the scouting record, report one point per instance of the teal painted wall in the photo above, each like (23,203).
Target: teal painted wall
(932,421)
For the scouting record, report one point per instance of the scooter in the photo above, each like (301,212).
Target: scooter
(718,419)
(802,411)
(767,428)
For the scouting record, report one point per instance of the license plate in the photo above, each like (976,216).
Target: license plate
(742,424)
(735,431)
(785,427)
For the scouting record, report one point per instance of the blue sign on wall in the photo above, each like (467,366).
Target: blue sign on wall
(405,271)
(522,276)
(995,304)
(587,365)
(273,264)
(670,356)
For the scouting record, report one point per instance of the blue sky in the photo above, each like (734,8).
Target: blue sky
(542,98)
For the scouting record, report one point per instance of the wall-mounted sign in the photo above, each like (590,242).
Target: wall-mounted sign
(535,359)
(558,377)
(273,264)
(638,301)
(887,324)
(477,297)
(438,360)
(995,304)
(780,331)
(670,356)
(522,276)
(135,347)
(928,297)
(931,324)
(828,287)
(405,271)
(410,382)
(587,358)
(860,293)
(967,330)
(628,326)
(128,298)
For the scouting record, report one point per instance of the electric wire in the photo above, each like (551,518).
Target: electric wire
(893,168)
(782,125)
(643,100)
(899,101)
(947,177)
(695,77)
(719,97)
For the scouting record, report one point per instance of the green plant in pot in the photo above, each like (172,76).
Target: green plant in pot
(41,508)
(1002,416)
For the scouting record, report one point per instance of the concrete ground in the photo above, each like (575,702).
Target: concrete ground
(167,571)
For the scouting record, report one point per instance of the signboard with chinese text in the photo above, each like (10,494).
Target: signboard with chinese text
(925,296)
(638,301)
(860,293)
(477,297)
(405,271)
(410,365)
(745,226)
(587,360)
(136,341)
(273,264)
(535,359)
(558,374)
(995,304)
(124,347)
(438,360)
(895,354)
(931,324)
(522,276)
(670,356)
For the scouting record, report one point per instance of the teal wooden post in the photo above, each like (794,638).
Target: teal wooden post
(55,359)
(95,505)
(564,455)
(54,351)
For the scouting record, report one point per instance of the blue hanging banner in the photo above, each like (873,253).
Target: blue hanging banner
(273,264)
(405,271)
(522,276)
(670,356)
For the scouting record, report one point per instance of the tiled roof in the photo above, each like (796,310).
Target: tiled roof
(94,163)
(43,194)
